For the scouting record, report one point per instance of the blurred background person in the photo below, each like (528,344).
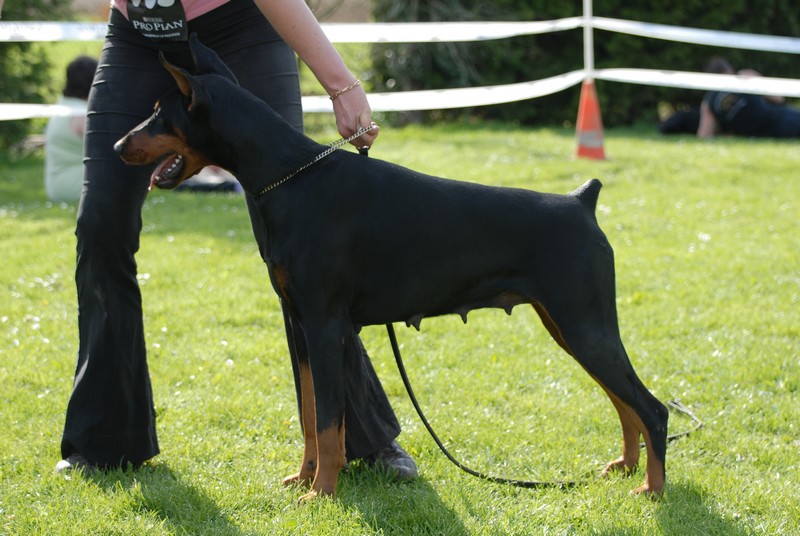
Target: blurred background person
(742,114)
(63,164)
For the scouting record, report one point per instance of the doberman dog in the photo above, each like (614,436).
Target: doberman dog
(355,241)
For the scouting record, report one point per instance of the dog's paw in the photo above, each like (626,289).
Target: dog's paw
(315,495)
(297,479)
(649,491)
(653,486)
(619,465)
(307,498)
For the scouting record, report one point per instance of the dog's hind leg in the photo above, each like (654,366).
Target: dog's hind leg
(304,386)
(645,416)
(594,342)
(640,413)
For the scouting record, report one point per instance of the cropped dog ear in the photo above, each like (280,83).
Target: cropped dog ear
(188,85)
(206,60)
(180,75)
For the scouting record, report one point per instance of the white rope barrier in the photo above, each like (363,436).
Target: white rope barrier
(437,99)
(52,31)
(378,32)
(442,32)
(430,32)
(759,85)
(440,99)
(10,112)
(716,38)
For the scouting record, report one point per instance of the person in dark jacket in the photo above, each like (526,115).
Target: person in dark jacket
(742,114)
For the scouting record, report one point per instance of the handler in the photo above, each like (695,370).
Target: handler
(110,418)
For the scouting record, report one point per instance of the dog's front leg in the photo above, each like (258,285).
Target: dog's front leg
(304,386)
(326,354)
(308,419)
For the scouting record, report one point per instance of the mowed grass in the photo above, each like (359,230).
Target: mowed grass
(708,281)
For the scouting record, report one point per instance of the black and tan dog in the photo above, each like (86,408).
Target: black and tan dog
(355,241)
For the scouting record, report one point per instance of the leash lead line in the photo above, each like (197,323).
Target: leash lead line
(500,480)
(698,424)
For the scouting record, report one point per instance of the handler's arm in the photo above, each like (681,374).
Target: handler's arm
(298,26)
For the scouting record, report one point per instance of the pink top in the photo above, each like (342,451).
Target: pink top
(192,8)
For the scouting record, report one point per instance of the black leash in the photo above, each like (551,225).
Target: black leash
(510,481)
(500,480)
(497,479)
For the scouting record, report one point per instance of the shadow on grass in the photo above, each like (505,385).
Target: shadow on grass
(178,504)
(687,510)
(392,507)
(385,505)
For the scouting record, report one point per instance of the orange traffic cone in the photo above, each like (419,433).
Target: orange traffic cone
(589,127)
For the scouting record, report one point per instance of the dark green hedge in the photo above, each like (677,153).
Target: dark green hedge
(24,67)
(447,65)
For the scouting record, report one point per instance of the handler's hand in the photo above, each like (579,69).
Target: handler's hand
(353,112)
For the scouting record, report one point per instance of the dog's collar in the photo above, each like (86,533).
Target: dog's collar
(331,148)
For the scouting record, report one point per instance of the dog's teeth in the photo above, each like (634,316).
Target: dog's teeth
(174,165)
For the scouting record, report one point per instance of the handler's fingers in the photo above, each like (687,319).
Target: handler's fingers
(368,138)
(352,111)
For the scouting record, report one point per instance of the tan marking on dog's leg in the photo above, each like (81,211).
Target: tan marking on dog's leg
(330,444)
(630,439)
(308,466)
(654,474)
(632,428)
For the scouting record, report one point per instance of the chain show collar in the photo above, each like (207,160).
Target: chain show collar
(331,148)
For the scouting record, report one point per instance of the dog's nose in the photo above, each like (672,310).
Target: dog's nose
(119,147)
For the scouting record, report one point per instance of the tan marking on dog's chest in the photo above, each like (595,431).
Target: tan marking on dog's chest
(281,278)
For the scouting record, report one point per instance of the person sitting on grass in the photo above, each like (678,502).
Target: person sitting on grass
(63,153)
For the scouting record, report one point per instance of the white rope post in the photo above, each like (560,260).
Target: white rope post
(588,40)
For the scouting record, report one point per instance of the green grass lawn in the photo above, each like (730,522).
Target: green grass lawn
(708,273)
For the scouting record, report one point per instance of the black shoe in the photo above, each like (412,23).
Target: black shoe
(75,462)
(395,460)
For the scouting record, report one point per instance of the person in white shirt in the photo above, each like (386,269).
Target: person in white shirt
(63,163)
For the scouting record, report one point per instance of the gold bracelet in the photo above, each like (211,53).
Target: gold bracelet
(345,90)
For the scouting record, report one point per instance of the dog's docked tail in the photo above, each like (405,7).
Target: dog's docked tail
(588,193)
